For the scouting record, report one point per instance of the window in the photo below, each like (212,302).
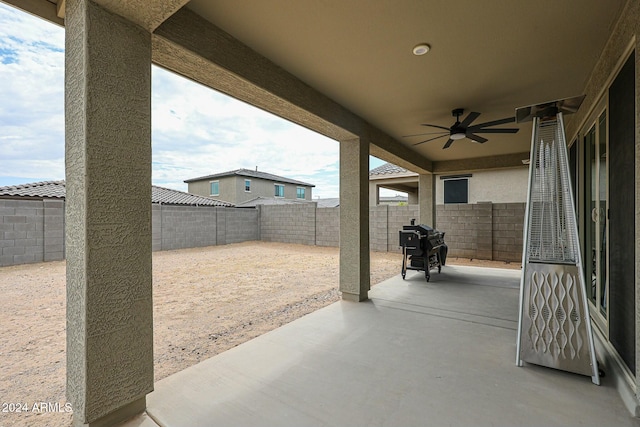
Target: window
(300,193)
(456,191)
(279,190)
(215,188)
(247,185)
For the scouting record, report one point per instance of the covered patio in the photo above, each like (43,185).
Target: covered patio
(350,70)
(415,354)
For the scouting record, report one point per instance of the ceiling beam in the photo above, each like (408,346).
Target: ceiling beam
(41,8)
(61,8)
(481,163)
(401,188)
(149,14)
(193,47)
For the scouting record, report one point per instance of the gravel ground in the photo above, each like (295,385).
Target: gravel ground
(206,300)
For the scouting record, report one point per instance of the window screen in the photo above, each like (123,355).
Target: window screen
(215,188)
(456,191)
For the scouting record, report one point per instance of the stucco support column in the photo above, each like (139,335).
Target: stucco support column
(427,199)
(354,220)
(108,215)
(374,194)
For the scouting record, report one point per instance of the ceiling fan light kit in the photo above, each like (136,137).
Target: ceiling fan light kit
(460,130)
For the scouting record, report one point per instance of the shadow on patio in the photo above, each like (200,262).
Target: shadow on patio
(417,353)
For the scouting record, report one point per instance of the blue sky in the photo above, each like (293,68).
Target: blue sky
(195,131)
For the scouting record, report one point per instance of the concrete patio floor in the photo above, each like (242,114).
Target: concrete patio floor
(416,354)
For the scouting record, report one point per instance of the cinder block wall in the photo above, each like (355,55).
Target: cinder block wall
(240,225)
(188,227)
(399,216)
(483,230)
(378,224)
(328,227)
(384,223)
(53,230)
(288,223)
(179,227)
(31,231)
(459,222)
(508,230)
(156,227)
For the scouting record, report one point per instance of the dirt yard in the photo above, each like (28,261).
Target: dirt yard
(206,300)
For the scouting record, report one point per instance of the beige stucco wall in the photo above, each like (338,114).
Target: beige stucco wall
(201,188)
(496,186)
(265,188)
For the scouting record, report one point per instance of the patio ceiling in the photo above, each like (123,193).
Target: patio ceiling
(490,56)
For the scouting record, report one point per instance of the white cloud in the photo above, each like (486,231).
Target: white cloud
(32,93)
(198,131)
(195,131)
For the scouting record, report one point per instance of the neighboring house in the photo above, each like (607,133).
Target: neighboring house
(495,185)
(56,190)
(241,185)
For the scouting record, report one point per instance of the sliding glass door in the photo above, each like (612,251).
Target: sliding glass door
(595,216)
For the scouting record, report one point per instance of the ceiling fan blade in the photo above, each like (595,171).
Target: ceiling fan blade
(476,138)
(427,140)
(426,133)
(507,130)
(467,120)
(448,144)
(493,123)
(435,126)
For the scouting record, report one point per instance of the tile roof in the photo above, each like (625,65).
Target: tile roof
(269,201)
(252,174)
(387,169)
(56,190)
(167,196)
(330,202)
(40,190)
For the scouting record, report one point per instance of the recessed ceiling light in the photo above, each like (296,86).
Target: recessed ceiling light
(421,49)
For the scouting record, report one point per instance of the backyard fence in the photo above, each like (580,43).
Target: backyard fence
(33,230)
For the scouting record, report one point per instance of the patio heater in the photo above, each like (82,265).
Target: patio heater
(554,327)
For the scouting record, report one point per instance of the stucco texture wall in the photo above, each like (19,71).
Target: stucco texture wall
(31,231)
(496,186)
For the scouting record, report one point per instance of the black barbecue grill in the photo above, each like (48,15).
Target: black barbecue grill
(423,249)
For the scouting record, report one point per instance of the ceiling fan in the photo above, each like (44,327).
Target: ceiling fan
(460,130)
